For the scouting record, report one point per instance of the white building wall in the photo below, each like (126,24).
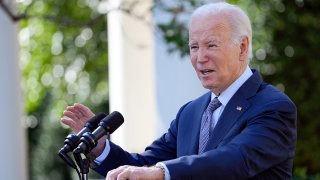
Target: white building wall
(131,76)
(147,84)
(12,148)
(176,84)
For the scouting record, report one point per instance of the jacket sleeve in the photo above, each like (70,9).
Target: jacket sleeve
(266,139)
(164,148)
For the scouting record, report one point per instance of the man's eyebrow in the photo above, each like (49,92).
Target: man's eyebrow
(191,43)
(213,40)
(207,41)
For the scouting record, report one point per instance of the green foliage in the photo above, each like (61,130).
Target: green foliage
(295,42)
(64,60)
(301,174)
(175,32)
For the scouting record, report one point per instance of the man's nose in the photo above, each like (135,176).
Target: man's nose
(202,55)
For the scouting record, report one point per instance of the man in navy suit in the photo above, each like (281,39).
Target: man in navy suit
(252,130)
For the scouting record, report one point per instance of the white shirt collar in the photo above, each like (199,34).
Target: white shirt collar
(227,94)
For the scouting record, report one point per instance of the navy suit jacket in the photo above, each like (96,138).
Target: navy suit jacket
(254,138)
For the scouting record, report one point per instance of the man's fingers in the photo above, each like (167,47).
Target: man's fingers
(113,174)
(72,119)
(76,127)
(75,111)
(84,110)
(125,174)
(76,116)
(70,115)
(135,173)
(79,112)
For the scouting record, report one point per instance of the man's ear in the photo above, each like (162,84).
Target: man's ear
(244,47)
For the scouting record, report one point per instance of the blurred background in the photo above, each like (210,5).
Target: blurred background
(132,56)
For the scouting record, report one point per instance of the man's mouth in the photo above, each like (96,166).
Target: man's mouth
(206,71)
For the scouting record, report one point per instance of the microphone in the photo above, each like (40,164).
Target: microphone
(107,126)
(72,140)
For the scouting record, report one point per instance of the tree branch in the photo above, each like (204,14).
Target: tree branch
(70,22)
(14,17)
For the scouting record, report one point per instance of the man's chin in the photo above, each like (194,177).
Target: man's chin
(207,86)
(210,87)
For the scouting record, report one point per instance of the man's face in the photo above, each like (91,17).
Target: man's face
(215,57)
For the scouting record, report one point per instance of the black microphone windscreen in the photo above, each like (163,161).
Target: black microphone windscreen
(107,126)
(95,120)
(92,123)
(112,121)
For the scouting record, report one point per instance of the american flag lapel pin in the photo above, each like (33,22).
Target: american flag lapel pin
(239,108)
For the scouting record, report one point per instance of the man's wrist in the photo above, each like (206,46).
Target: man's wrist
(163,171)
(101,144)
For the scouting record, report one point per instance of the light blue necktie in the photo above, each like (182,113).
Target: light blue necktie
(206,124)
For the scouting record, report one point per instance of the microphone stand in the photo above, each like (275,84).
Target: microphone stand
(81,154)
(83,164)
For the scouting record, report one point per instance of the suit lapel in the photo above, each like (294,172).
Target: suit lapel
(195,124)
(228,118)
(191,126)
(237,105)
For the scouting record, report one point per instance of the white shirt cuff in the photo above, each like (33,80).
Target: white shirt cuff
(166,171)
(104,154)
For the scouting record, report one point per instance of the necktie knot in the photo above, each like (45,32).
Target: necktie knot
(213,105)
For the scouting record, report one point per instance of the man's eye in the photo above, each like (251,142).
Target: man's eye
(212,45)
(193,47)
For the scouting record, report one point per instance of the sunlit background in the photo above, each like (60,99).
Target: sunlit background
(132,56)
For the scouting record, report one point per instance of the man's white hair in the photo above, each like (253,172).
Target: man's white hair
(238,19)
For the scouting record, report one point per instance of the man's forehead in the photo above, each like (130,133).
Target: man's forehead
(209,28)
